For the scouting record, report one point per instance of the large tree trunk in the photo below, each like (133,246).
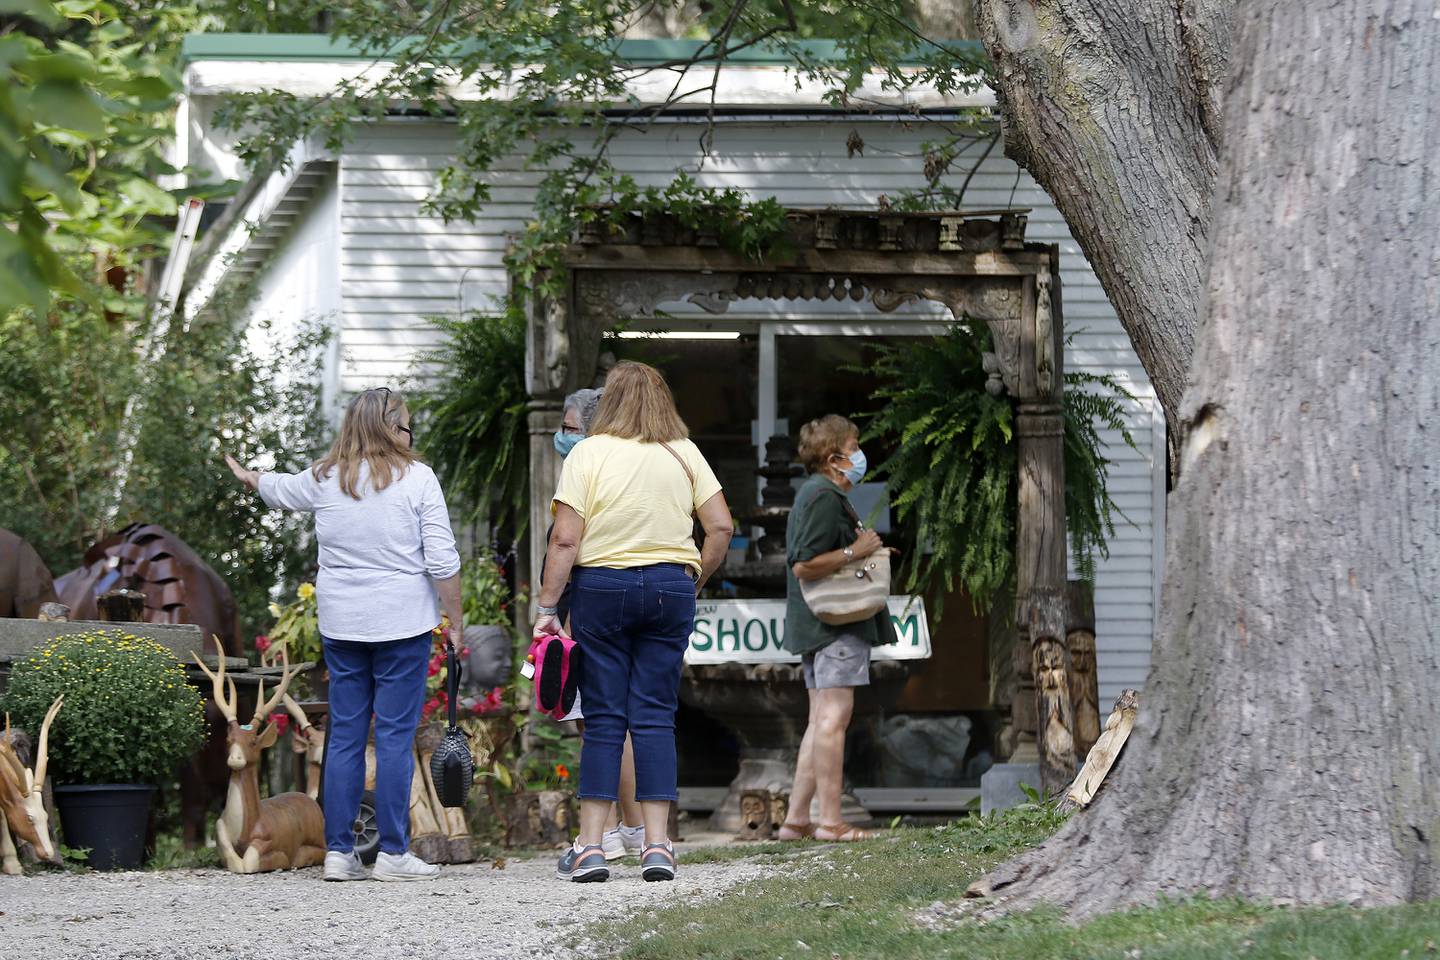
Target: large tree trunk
(1113,108)
(1285,746)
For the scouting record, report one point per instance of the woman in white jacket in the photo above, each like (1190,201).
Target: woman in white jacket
(387,561)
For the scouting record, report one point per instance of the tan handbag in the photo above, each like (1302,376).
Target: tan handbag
(855,592)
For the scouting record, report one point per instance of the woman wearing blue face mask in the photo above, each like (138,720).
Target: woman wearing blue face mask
(822,536)
(625,831)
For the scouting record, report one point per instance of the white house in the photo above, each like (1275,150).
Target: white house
(342,237)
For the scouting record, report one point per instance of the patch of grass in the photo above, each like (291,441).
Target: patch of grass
(861,900)
(170,854)
(743,851)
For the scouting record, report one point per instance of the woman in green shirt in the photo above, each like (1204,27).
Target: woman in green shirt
(820,538)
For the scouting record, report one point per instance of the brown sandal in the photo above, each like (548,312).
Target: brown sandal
(796,831)
(843,833)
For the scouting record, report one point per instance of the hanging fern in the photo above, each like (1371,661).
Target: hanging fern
(953,476)
(472,422)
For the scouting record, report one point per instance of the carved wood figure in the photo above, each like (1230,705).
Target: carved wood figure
(22,799)
(254,835)
(308,740)
(755,816)
(1051,668)
(1084,682)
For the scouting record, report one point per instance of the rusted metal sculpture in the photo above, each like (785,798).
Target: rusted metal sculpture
(22,799)
(253,835)
(178,587)
(25,582)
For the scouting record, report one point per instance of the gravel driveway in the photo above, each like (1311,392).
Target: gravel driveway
(472,911)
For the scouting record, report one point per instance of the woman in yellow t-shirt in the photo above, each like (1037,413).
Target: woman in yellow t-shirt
(623,537)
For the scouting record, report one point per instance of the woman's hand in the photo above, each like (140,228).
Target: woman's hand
(865,544)
(251,478)
(548,623)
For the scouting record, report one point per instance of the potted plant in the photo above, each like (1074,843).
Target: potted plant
(130,719)
(296,635)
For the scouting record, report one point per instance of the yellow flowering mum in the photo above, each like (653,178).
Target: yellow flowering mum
(306,591)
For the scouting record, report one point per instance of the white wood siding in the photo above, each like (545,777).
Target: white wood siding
(399,267)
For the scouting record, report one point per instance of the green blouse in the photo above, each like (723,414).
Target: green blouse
(818,524)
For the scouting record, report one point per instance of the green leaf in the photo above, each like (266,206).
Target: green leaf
(68,106)
(37,10)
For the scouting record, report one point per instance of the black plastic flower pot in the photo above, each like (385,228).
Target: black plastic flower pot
(107,819)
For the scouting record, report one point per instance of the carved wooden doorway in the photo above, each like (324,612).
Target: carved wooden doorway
(976,263)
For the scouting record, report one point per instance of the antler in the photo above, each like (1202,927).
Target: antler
(263,706)
(42,751)
(296,712)
(228,705)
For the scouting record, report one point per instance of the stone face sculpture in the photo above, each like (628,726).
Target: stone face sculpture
(22,798)
(256,836)
(25,582)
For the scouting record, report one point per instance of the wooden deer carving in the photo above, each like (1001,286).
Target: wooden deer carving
(254,835)
(310,741)
(22,799)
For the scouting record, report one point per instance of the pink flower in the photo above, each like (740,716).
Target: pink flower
(262,643)
(281,721)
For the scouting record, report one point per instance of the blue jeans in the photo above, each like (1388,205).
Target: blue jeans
(633,627)
(386,680)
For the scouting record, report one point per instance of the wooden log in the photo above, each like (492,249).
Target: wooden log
(426,838)
(1105,752)
(543,818)
(1084,680)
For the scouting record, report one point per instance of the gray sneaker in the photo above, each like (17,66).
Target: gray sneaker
(398,868)
(658,862)
(344,866)
(583,864)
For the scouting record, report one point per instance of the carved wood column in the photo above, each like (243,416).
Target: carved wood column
(1040,539)
(548,371)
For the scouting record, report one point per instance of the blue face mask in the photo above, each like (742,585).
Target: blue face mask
(856,471)
(565,442)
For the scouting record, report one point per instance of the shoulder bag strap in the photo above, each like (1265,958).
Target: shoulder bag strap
(683,465)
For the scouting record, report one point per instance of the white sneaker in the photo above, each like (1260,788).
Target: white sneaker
(623,841)
(404,866)
(344,866)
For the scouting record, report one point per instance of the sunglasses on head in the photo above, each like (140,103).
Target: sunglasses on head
(386,390)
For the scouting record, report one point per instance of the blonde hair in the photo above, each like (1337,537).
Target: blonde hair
(824,438)
(637,405)
(368,435)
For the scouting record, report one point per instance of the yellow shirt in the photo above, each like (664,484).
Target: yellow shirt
(635,500)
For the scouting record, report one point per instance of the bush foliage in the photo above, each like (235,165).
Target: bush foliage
(129,716)
(953,476)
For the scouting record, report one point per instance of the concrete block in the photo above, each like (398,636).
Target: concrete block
(19,637)
(1000,785)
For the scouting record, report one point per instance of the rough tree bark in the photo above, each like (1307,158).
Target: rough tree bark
(1113,108)
(1285,747)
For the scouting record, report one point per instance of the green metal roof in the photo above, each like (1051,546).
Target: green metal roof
(319,46)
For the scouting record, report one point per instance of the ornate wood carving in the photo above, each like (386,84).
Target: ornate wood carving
(1044,337)
(1084,684)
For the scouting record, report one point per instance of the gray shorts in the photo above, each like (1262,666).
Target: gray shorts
(843,662)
